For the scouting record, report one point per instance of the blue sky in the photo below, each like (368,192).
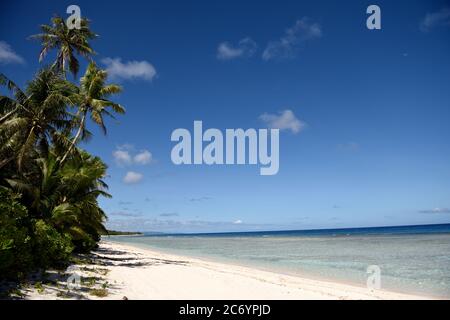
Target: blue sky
(373,108)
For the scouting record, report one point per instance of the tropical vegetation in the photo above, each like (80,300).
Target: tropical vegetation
(49,186)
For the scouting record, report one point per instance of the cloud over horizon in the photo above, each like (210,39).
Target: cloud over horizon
(129,70)
(436,210)
(169,214)
(171,225)
(124,214)
(199,199)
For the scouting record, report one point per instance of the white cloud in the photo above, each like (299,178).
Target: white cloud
(122,157)
(434,19)
(124,214)
(7,54)
(129,70)
(285,120)
(132,177)
(169,214)
(436,210)
(168,224)
(144,157)
(237,222)
(287,45)
(245,48)
(200,199)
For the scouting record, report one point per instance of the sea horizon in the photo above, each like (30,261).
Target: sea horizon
(415,228)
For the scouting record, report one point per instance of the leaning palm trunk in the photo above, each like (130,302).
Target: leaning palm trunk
(9,114)
(20,98)
(4,162)
(75,139)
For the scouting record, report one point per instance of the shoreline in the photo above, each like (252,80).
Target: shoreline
(253,268)
(310,287)
(126,271)
(237,264)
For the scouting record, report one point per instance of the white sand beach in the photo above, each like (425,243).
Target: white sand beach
(135,273)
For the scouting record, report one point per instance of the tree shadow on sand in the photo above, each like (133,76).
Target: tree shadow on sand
(89,273)
(117,257)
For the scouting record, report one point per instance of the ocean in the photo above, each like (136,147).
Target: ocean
(412,259)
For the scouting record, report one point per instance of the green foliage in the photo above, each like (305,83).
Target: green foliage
(121,233)
(49,187)
(101,293)
(51,247)
(66,41)
(15,240)
(39,287)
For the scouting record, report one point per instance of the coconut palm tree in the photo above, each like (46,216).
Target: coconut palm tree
(39,187)
(93,100)
(10,106)
(67,42)
(66,197)
(40,116)
(82,181)
(49,188)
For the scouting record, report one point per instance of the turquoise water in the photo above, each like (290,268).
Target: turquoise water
(412,259)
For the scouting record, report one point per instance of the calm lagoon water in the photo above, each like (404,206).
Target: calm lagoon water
(413,259)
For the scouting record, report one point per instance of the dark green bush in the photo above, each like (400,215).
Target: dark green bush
(82,241)
(51,247)
(15,242)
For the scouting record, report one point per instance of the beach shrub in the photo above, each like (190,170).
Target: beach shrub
(15,243)
(101,293)
(82,241)
(51,247)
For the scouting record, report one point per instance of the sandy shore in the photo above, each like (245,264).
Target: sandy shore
(135,273)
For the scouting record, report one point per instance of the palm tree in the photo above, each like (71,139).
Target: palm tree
(67,42)
(49,188)
(93,100)
(66,197)
(82,181)
(10,106)
(40,117)
(39,187)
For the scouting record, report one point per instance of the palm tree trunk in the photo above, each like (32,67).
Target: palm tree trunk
(24,148)
(9,114)
(6,161)
(75,139)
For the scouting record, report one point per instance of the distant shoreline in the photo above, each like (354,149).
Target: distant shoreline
(122,233)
